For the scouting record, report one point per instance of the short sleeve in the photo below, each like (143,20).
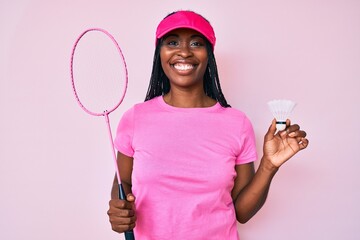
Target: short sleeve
(247,143)
(124,133)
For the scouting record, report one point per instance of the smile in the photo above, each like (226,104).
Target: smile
(183,67)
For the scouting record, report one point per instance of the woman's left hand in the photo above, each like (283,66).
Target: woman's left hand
(281,146)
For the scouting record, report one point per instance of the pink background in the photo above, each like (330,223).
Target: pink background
(56,168)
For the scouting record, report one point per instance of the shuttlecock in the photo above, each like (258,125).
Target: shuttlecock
(281,110)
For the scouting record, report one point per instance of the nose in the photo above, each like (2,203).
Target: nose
(185,50)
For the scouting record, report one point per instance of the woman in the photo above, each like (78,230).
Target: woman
(185,156)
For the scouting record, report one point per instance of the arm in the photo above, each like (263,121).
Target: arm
(250,188)
(125,165)
(122,213)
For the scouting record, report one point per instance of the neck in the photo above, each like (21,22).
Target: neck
(185,99)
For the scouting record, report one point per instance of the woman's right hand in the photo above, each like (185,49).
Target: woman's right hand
(122,214)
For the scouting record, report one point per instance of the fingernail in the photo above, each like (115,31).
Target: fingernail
(292,134)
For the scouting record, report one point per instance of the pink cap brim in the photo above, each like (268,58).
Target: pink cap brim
(186,19)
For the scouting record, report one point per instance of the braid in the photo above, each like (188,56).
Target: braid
(159,82)
(212,85)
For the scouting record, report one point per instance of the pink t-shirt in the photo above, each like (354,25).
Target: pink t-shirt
(184,168)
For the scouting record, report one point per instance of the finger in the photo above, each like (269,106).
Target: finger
(283,134)
(303,143)
(297,134)
(293,128)
(115,219)
(120,204)
(120,212)
(122,227)
(288,123)
(130,197)
(271,131)
(122,216)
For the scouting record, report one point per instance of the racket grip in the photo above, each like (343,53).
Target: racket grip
(129,235)
(122,194)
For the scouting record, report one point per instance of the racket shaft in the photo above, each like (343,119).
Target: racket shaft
(129,235)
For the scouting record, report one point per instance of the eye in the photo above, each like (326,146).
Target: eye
(172,43)
(197,43)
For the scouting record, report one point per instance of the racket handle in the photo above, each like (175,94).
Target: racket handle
(129,235)
(122,194)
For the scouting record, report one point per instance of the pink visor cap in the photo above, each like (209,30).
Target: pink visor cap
(186,19)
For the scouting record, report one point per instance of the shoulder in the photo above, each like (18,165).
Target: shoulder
(139,109)
(143,106)
(236,117)
(233,112)
(149,104)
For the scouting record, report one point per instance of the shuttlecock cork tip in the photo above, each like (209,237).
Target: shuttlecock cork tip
(281,110)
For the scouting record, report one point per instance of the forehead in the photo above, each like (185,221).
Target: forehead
(184,32)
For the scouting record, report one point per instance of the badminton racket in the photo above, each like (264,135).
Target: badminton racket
(99,79)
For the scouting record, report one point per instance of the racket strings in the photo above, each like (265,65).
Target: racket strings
(99,73)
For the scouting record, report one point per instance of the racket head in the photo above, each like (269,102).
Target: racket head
(99,75)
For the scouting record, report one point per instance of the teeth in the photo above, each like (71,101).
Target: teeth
(183,67)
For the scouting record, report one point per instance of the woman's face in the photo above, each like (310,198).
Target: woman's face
(184,58)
